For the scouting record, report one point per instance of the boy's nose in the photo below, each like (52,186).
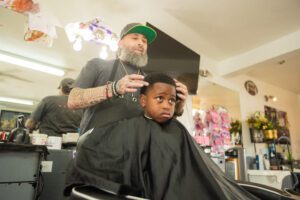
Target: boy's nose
(167,105)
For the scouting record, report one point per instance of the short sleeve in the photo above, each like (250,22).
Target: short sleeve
(40,111)
(89,74)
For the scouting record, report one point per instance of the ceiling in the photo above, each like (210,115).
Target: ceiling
(217,30)
(282,71)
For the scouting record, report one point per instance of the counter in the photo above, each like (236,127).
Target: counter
(271,178)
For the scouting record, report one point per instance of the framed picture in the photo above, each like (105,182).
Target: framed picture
(271,114)
(251,88)
(283,123)
(280,119)
(8,119)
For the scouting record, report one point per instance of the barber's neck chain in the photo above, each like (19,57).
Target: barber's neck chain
(138,72)
(134,99)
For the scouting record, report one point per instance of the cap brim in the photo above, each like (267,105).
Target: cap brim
(148,32)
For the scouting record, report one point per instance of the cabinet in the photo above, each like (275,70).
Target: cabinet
(20,171)
(54,178)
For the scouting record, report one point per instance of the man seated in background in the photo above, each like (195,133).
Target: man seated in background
(52,116)
(151,156)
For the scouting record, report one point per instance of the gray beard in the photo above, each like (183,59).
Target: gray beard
(132,58)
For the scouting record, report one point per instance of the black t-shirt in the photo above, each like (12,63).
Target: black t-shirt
(55,117)
(96,73)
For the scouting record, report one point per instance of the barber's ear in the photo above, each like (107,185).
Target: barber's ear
(143,100)
(120,42)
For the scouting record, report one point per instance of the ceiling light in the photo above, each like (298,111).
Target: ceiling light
(113,46)
(24,62)
(103,53)
(77,44)
(270,97)
(204,72)
(18,101)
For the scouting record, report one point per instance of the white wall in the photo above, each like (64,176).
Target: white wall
(287,101)
(187,118)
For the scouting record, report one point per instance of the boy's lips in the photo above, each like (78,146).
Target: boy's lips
(168,115)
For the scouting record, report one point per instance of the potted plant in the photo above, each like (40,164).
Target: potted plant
(236,131)
(270,131)
(257,123)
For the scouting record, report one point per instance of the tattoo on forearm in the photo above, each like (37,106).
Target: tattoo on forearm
(82,98)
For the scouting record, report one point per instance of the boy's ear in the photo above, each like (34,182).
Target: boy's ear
(143,100)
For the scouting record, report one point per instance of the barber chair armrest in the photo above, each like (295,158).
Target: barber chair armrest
(265,192)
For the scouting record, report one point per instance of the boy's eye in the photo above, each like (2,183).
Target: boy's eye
(159,99)
(172,101)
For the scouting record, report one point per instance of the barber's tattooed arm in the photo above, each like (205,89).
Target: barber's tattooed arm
(83,98)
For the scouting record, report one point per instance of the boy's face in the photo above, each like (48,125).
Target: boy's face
(159,102)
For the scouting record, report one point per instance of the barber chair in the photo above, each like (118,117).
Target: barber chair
(291,183)
(91,193)
(268,193)
(261,191)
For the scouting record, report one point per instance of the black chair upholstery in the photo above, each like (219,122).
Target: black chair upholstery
(291,182)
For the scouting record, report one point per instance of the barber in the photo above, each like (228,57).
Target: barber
(108,90)
(52,115)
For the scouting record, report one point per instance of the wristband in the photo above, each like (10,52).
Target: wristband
(107,90)
(114,86)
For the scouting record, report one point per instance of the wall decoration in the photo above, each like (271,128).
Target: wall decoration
(271,114)
(251,88)
(21,6)
(38,28)
(280,119)
(8,119)
(211,128)
(236,132)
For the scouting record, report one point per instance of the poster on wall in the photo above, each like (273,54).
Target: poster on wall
(271,114)
(279,119)
(8,119)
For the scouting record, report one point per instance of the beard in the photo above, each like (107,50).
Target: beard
(128,56)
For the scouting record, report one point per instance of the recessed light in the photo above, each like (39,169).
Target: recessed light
(18,101)
(31,64)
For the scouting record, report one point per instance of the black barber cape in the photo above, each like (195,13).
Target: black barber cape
(156,161)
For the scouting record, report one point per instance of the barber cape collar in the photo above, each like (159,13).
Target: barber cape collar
(148,32)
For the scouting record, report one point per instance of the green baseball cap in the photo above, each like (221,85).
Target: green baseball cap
(148,32)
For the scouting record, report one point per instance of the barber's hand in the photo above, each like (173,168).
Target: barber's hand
(130,83)
(182,94)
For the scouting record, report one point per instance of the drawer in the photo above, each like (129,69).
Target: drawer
(17,191)
(19,166)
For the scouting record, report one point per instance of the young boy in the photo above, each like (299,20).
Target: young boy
(159,98)
(151,156)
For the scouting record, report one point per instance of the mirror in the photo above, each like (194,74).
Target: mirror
(214,108)
(210,94)
(23,83)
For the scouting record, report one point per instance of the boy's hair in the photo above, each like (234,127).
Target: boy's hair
(156,78)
